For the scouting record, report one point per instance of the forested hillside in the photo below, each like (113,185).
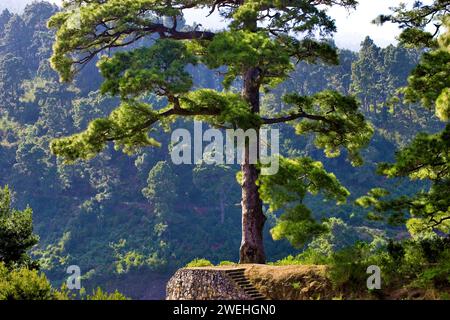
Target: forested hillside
(129,222)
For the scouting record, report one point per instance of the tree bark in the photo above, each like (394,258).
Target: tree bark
(253,218)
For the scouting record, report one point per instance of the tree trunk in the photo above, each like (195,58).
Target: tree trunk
(253,218)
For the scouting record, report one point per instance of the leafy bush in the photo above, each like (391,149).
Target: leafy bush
(410,263)
(349,266)
(24,284)
(415,263)
(438,274)
(199,263)
(296,285)
(16,232)
(227,263)
(99,294)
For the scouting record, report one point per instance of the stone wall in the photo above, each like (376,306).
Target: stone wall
(203,284)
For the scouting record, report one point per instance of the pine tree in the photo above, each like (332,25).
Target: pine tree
(258,48)
(367,74)
(428,156)
(16,232)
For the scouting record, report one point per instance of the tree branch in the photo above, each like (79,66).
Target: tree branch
(175,111)
(295,116)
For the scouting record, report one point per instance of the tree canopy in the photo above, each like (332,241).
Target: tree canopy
(427,157)
(258,50)
(16,232)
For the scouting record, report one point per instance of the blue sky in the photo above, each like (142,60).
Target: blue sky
(353,26)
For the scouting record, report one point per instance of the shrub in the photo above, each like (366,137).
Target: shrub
(296,285)
(24,284)
(16,232)
(438,274)
(349,266)
(99,294)
(309,256)
(199,263)
(415,263)
(289,260)
(227,263)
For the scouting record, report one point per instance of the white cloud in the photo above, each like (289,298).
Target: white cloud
(353,26)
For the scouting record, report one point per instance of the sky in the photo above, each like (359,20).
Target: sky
(353,26)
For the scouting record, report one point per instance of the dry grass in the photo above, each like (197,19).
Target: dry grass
(310,282)
(296,282)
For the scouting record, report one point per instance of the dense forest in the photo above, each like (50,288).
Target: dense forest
(113,215)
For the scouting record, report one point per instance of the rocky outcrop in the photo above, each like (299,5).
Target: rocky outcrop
(250,282)
(211,284)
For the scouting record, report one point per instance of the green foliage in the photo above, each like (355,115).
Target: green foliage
(376,76)
(161,180)
(135,260)
(429,81)
(437,275)
(199,263)
(346,267)
(227,263)
(307,257)
(336,122)
(224,178)
(421,263)
(287,190)
(286,20)
(349,266)
(152,70)
(338,236)
(295,179)
(76,25)
(413,37)
(99,294)
(83,211)
(228,109)
(414,21)
(127,126)
(410,263)
(296,285)
(427,157)
(367,73)
(160,68)
(257,49)
(16,232)
(241,50)
(24,284)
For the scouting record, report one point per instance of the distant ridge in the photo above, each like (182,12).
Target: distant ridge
(18,5)
(14,5)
